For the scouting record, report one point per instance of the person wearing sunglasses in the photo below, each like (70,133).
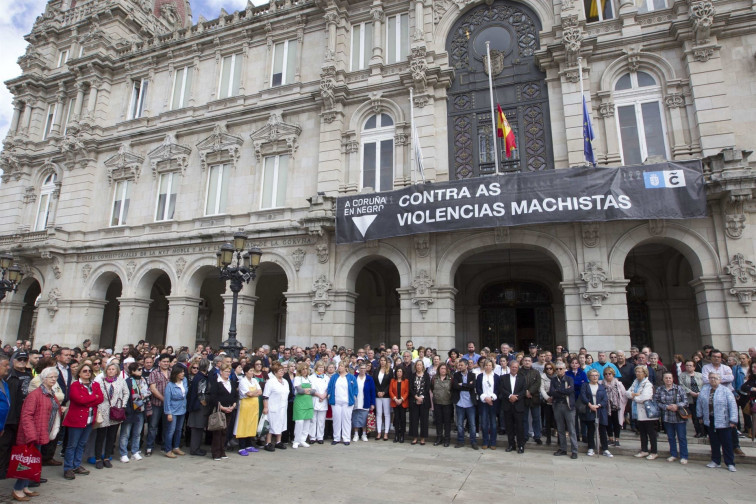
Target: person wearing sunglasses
(96,368)
(84,396)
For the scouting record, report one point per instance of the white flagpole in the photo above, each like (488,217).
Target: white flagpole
(580,78)
(412,138)
(493,115)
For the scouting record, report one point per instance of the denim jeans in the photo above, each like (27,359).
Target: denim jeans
(677,430)
(157,414)
(463,413)
(77,441)
(172,433)
(488,423)
(535,413)
(131,435)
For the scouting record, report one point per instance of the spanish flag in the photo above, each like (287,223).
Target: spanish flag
(504,131)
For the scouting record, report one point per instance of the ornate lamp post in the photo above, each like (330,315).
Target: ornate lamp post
(239,266)
(10,275)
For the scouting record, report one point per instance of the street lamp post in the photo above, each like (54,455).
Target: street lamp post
(239,266)
(10,275)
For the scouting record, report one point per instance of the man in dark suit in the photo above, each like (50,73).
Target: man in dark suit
(513,406)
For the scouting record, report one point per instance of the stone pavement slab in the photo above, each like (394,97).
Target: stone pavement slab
(373,473)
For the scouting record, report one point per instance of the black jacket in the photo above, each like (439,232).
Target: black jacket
(198,391)
(382,386)
(219,394)
(533,385)
(458,386)
(18,388)
(562,391)
(519,391)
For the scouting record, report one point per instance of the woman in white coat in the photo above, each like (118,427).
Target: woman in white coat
(275,405)
(319,382)
(639,392)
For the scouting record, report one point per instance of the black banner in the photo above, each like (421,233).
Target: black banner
(659,191)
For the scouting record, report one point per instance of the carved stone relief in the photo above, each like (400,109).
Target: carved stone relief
(594,277)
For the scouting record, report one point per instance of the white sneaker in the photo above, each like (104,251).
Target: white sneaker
(294,445)
(356,437)
(364,437)
(684,461)
(671,459)
(732,468)
(591,453)
(304,445)
(125,459)
(713,465)
(607,453)
(136,456)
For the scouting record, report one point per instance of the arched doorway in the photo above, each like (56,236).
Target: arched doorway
(509,296)
(110,314)
(661,305)
(28,323)
(516,312)
(157,317)
(376,310)
(519,87)
(269,325)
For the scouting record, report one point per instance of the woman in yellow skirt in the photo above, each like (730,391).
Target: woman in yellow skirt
(249,411)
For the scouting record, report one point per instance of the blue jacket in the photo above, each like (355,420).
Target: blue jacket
(4,404)
(725,408)
(740,378)
(352,387)
(600,368)
(175,401)
(578,379)
(368,392)
(601,398)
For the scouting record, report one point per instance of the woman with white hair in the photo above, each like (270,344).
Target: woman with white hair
(116,395)
(717,406)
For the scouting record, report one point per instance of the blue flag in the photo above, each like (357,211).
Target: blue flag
(587,135)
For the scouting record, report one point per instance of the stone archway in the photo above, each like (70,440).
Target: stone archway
(377,307)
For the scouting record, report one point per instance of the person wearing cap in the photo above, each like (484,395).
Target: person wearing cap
(533,351)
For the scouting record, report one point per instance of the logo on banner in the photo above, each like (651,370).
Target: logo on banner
(363,222)
(664,179)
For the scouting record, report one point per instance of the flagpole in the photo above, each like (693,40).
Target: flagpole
(412,138)
(493,115)
(580,77)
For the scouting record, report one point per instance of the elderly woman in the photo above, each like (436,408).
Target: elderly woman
(174,409)
(116,396)
(442,404)
(641,391)
(223,395)
(716,405)
(615,391)
(246,421)
(364,402)
(691,382)
(595,397)
(39,422)
(84,396)
(342,393)
(276,405)
(671,398)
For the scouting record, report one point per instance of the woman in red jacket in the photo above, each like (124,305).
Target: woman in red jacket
(39,422)
(84,396)
(399,393)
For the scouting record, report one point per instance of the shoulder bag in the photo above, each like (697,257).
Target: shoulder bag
(118,412)
(682,412)
(217,420)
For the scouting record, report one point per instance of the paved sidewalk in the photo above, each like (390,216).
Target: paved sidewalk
(379,472)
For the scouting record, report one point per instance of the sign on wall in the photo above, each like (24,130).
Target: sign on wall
(659,191)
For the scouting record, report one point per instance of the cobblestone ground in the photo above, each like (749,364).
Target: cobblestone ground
(381,472)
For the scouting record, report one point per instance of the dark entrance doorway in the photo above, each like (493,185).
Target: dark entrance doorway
(518,313)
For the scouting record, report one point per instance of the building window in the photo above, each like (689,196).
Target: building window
(599,10)
(397,38)
(63,57)
(182,88)
(362,45)
(68,115)
(45,195)
(217,189)
(284,63)
(138,94)
(230,76)
(275,176)
(640,122)
(121,199)
(52,111)
(378,153)
(650,5)
(166,200)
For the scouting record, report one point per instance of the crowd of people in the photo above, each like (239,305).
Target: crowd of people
(151,399)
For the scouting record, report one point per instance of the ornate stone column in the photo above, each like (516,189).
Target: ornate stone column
(675,103)
(182,321)
(377,13)
(301,317)
(16,117)
(79,104)
(92,103)
(132,320)
(60,112)
(10,316)
(338,324)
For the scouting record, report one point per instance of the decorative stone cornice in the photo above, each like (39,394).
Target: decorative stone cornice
(124,165)
(276,137)
(594,277)
(743,273)
(730,179)
(320,288)
(220,144)
(421,297)
(169,156)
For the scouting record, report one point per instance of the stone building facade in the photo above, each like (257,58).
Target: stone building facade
(141,142)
